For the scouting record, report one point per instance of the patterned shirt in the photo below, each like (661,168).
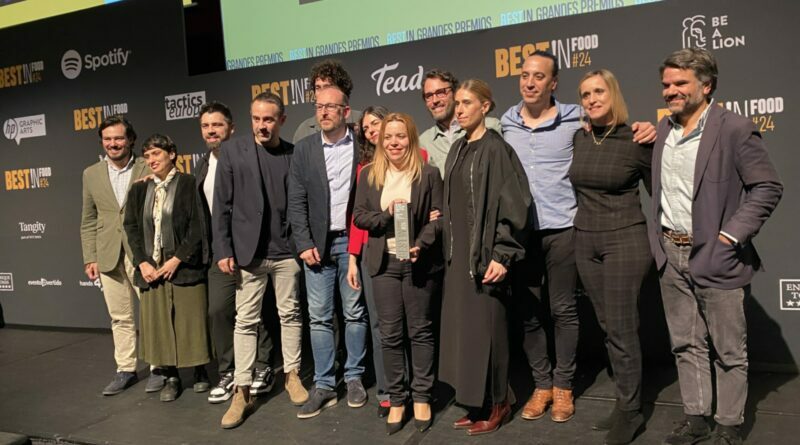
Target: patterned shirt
(120,179)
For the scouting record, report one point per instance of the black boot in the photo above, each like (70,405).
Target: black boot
(607,422)
(625,427)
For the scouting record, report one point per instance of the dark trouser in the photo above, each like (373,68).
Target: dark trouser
(695,315)
(401,297)
(612,266)
(222,315)
(549,260)
(374,328)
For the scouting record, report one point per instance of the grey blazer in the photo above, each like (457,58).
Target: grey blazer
(736,188)
(309,194)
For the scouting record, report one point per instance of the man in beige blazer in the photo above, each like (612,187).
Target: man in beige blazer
(106,254)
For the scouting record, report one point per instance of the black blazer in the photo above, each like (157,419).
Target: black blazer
(309,194)
(187,230)
(426,195)
(239,205)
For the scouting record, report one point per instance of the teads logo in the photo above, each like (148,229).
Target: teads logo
(71,64)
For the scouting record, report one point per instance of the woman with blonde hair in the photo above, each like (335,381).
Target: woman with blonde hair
(402,289)
(486,207)
(611,245)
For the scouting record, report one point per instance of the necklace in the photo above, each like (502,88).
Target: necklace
(596,142)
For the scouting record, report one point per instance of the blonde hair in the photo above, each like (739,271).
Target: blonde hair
(619,111)
(480,89)
(412,159)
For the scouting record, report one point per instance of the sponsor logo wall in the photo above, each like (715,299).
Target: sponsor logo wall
(142,76)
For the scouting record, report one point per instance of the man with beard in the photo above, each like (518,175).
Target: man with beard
(252,242)
(106,254)
(438,92)
(714,186)
(216,127)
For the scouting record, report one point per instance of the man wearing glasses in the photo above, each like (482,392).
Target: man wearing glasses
(323,74)
(438,91)
(321,191)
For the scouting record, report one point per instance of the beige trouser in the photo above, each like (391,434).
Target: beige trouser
(120,293)
(285,275)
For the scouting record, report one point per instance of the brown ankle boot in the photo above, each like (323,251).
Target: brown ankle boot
(537,404)
(241,406)
(501,413)
(294,387)
(563,408)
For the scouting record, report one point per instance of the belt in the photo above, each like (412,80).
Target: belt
(336,234)
(677,238)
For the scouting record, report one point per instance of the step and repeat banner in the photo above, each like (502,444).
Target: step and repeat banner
(60,77)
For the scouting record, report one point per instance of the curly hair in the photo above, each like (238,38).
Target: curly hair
(333,70)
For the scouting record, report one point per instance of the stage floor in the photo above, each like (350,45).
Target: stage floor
(52,381)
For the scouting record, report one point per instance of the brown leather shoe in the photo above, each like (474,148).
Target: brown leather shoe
(563,408)
(537,404)
(501,413)
(241,407)
(464,422)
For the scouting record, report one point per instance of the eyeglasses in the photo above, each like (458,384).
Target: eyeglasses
(440,94)
(328,107)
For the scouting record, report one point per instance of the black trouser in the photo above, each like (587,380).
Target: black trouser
(222,316)
(401,296)
(549,261)
(612,265)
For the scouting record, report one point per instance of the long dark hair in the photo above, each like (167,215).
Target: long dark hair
(367,150)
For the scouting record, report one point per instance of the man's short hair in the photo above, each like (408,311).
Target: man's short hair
(270,98)
(333,70)
(334,87)
(699,60)
(547,55)
(118,119)
(444,76)
(217,107)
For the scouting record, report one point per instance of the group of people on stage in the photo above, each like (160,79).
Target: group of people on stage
(504,217)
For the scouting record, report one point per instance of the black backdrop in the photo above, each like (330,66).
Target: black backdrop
(41,271)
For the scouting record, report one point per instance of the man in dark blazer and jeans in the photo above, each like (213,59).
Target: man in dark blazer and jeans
(713,188)
(321,192)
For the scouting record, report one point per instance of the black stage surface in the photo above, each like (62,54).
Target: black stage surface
(52,381)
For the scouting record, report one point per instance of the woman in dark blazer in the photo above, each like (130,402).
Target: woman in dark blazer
(163,221)
(612,252)
(402,289)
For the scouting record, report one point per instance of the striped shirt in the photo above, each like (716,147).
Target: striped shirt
(120,179)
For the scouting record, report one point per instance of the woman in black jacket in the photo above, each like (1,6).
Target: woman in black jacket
(402,289)
(486,206)
(163,222)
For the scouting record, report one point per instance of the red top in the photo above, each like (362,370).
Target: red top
(358,237)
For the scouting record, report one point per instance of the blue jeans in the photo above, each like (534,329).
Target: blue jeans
(320,287)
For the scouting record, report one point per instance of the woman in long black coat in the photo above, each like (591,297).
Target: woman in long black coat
(486,207)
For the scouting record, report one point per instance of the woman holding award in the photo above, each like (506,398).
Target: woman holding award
(405,265)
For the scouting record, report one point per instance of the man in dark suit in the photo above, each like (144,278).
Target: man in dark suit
(251,240)
(216,127)
(713,188)
(321,187)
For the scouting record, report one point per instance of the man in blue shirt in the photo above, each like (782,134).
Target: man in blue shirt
(541,130)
